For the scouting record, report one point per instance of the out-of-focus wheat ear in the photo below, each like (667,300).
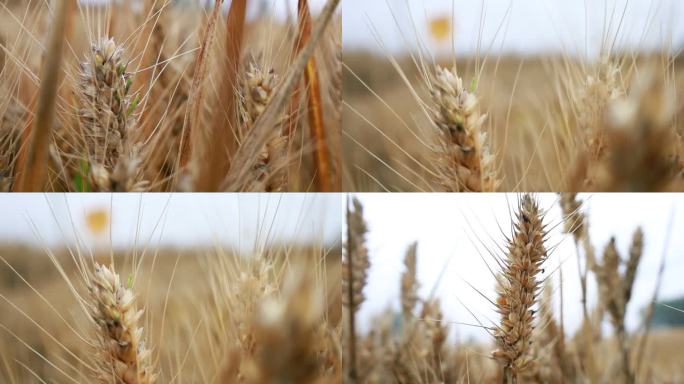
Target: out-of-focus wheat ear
(315,105)
(191,137)
(121,355)
(33,168)
(518,288)
(221,142)
(409,283)
(640,139)
(573,218)
(635,252)
(244,160)
(437,333)
(462,157)
(355,264)
(286,330)
(11,124)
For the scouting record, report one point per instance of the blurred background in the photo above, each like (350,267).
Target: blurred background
(455,234)
(512,27)
(241,222)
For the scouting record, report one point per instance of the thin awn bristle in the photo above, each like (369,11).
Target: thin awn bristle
(518,288)
(122,356)
(463,159)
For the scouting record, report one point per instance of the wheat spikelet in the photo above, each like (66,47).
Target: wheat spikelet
(463,159)
(122,357)
(409,283)
(518,288)
(107,119)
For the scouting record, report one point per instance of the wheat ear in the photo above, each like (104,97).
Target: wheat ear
(107,118)
(354,273)
(463,159)
(518,288)
(409,283)
(272,159)
(122,357)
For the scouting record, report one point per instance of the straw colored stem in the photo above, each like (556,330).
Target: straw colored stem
(224,136)
(34,165)
(197,89)
(315,106)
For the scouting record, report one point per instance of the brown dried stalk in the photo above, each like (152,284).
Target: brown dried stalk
(122,357)
(518,288)
(33,168)
(315,104)
(222,140)
(193,117)
(355,266)
(464,163)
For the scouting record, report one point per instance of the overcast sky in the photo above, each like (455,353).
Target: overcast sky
(450,228)
(528,26)
(236,220)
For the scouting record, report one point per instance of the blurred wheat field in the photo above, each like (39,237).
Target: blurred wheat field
(160,95)
(550,121)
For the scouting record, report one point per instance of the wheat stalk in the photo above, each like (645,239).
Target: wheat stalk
(33,168)
(518,287)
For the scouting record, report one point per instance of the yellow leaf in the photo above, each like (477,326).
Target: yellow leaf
(97,220)
(440,28)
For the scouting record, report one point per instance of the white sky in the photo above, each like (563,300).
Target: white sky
(236,220)
(530,27)
(279,8)
(450,229)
